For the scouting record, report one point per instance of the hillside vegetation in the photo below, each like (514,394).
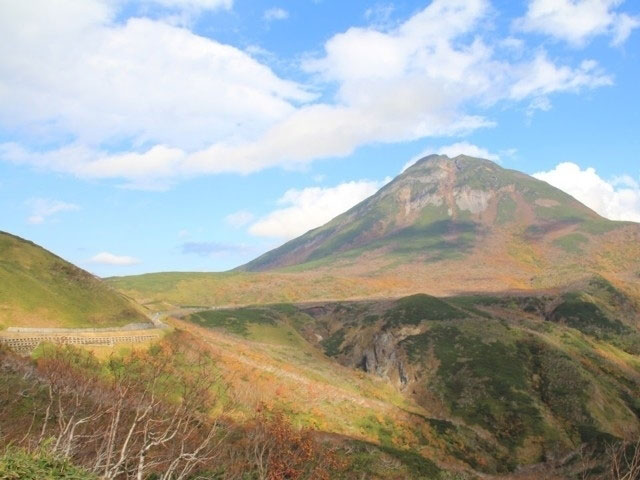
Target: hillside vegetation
(492,383)
(444,226)
(39,289)
(449,210)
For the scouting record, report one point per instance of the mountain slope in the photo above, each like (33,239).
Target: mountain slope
(444,226)
(461,211)
(489,383)
(39,289)
(441,207)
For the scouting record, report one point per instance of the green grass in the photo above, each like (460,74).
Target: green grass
(430,239)
(482,174)
(37,288)
(470,303)
(572,243)
(506,210)
(417,308)
(563,212)
(417,465)
(18,464)
(333,343)
(367,460)
(600,226)
(581,314)
(484,382)
(235,321)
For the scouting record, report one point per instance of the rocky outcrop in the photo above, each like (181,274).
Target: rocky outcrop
(385,359)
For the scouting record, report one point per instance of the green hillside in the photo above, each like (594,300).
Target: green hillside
(39,289)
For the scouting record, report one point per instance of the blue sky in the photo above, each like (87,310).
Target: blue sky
(196,134)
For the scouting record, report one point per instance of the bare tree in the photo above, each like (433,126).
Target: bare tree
(625,461)
(146,413)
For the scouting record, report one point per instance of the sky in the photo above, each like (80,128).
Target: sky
(194,135)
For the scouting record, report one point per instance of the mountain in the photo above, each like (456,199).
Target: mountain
(506,230)
(39,289)
(445,226)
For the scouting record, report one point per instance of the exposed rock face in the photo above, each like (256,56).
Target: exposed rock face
(474,201)
(385,359)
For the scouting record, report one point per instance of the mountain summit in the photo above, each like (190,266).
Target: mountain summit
(499,226)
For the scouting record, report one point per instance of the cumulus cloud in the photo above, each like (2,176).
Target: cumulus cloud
(43,208)
(189,105)
(453,150)
(70,69)
(106,258)
(541,77)
(275,13)
(577,21)
(239,219)
(308,208)
(618,199)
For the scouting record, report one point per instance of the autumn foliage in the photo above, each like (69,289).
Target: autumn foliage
(147,414)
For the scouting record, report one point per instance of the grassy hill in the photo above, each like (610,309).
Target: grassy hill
(39,289)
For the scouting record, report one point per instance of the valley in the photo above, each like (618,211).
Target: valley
(464,322)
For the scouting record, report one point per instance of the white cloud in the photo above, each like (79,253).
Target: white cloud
(312,207)
(106,258)
(541,77)
(275,13)
(577,21)
(319,178)
(69,69)
(191,106)
(239,219)
(466,148)
(43,208)
(453,150)
(617,200)
(538,103)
